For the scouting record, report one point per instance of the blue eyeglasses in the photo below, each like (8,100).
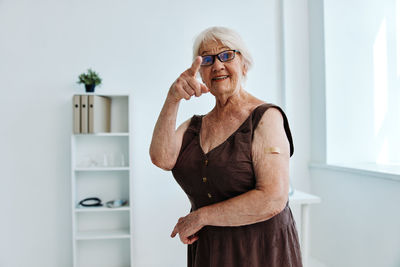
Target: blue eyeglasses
(224,56)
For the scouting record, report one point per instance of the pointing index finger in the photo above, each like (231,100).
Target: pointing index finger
(195,66)
(174,232)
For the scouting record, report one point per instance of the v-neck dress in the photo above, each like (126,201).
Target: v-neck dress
(225,172)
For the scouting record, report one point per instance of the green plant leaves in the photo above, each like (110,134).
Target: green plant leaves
(90,77)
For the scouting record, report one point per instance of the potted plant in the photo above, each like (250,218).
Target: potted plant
(90,80)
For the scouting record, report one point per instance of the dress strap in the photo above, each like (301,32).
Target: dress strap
(194,125)
(191,132)
(259,112)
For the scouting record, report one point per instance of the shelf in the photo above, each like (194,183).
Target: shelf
(300,197)
(96,169)
(101,209)
(105,234)
(103,134)
(103,253)
(101,167)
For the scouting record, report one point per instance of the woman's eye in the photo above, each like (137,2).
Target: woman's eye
(206,60)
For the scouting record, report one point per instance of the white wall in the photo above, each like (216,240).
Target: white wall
(357,222)
(137,47)
(297,85)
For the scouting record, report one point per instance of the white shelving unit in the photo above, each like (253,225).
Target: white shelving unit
(101,167)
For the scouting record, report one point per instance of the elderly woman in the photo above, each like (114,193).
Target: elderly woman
(233,162)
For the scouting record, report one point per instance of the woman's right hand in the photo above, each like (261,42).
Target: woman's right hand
(167,141)
(186,85)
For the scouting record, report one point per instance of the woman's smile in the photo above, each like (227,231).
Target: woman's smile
(220,78)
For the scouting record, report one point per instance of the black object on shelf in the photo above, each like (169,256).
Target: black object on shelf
(91,202)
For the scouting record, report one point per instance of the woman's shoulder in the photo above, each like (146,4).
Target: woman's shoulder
(259,104)
(272,120)
(262,109)
(191,124)
(269,112)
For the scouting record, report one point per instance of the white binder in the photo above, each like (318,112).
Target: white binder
(84,114)
(77,113)
(99,114)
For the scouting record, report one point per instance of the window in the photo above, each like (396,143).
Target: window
(362,49)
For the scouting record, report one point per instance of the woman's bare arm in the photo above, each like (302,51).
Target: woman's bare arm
(167,140)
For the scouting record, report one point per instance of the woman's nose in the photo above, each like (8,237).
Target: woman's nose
(218,65)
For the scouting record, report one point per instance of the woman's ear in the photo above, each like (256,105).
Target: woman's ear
(244,69)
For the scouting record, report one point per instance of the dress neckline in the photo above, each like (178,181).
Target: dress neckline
(229,137)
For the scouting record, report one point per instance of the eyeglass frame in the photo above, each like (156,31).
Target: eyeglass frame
(217,56)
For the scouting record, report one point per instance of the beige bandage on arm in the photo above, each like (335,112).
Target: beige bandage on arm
(273,150)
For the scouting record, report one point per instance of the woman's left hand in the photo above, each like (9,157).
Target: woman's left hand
(187,227)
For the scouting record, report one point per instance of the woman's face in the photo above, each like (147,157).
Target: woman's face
(221,78)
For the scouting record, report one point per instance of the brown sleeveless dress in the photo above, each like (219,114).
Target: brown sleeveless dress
(224,172)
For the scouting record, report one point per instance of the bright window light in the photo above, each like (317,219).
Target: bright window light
(398,36)
(380,78)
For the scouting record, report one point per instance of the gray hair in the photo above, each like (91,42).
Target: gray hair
(227,37)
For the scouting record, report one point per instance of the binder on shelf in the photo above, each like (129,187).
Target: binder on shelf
(99,114)
(77,114)
(84,114)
